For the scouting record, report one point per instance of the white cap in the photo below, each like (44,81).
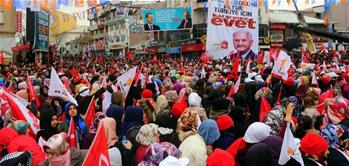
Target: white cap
(173,161)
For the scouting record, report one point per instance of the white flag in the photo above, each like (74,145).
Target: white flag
(57,88)
(248,68)
(282,64)
(313,79)
(41,143)
(237,85)
(203,73)
(106,102)
(125,80)
(289,148)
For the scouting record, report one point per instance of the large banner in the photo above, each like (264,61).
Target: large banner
(41,37)
(167,19)
(232,29)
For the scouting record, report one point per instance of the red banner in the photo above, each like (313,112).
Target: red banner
(19,21)
(192,47)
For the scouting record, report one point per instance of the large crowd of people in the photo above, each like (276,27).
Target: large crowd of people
(182,111)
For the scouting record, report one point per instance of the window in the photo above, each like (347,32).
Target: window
(1,17)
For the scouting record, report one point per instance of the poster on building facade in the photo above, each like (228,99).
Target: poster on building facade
(119,33)
(41,36)
(232,29)
(165,19)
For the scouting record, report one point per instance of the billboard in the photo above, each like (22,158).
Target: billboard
(41,37)
(167,19)
(232,29)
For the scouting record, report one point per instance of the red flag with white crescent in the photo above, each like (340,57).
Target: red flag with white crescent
(98,153)
(72,137)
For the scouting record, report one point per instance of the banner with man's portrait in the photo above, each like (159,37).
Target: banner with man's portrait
(232,29)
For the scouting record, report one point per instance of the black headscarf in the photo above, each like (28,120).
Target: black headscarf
(260,154)
(45,123)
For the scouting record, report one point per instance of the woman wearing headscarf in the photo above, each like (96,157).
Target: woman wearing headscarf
(194,101)
(274,143)
(161,104)
(115,110)
(305,125)
(275,118)
(255,133)
(209,131)
(167,127)
(48,123)
(225,125)
(157,152)
(316,151)
(72,113)
(193,145)
(132,122)
(310,102)
(17,158)
(88,138)
(22,141)
(110,131)
(259,155)
(133,118)
(147,135)
(59,153)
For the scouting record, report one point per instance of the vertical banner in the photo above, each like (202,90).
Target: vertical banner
(41,36)
(232,30)
(19,21)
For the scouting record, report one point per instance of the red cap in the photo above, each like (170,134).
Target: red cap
(83,82)
(326,80)
(313,144)
(224,122)
(220,158)
(147,94)
(178,108)
(289,81)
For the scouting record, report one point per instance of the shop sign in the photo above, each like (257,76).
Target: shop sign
(279,26)
(173,50)
(192,47)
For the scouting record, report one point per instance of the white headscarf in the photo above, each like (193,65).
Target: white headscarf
(194,100)
(257,132)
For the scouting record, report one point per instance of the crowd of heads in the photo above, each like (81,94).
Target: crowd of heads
(178,111)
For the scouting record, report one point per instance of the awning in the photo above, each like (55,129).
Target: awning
(20,48)
(291,18)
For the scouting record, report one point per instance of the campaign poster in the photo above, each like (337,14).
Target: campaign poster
(41,37)
(165,19)
(232,29)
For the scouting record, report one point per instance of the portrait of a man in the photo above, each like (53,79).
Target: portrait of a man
(150,26)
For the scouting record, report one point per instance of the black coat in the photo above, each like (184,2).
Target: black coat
(188,25)
(155,27)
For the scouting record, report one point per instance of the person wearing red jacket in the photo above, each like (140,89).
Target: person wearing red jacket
(24,142)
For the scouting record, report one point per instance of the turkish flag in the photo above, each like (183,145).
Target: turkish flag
(260,58)
(2,59)
(32,93)
(264,109)
(236,64)
(98,152)
(20,112)
(326,95)
(91,110)
(72,138)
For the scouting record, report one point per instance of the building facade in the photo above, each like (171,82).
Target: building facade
(7,30)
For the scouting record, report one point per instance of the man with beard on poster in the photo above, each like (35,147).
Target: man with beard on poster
(243,43)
